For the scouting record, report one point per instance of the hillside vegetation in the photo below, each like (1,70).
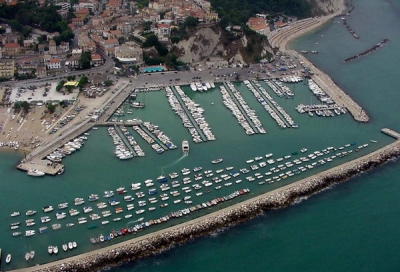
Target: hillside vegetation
(238,11)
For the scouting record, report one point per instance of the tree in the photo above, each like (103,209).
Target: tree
(51,108)
(191,22)
(17,106)
(60,85)
(108,83)
(25,106)
(85,60)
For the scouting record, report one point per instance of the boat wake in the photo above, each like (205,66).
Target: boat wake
(175,162)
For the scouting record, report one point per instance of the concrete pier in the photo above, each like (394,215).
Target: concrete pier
(391,133)
(45,166)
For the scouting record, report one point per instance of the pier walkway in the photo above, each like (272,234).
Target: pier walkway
(272,103)
(189,114)
(240,107)
(151,135)
(123,138)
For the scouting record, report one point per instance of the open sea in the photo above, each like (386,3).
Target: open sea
(350,227)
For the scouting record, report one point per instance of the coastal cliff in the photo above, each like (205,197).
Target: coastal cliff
(242,46)
(326,7)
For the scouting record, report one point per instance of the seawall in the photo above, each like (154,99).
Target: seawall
(162,240)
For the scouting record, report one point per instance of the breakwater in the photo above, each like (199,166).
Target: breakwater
(366,52)
(352,32)
(162,240)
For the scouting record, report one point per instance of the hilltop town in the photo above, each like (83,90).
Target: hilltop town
(118,30)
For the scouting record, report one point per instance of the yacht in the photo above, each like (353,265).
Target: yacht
(35,173)
(47,209)
(30,212)
(93,197)
(193,87)
(8,258)
(216,161)
(185,147)
(62,205)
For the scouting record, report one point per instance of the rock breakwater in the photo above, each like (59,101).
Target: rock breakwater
(160,241)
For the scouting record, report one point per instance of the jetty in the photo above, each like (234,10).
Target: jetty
(334,92)
(352,32)
(366,52)
(391,133)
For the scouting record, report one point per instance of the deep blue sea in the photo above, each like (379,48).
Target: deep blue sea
(349,227)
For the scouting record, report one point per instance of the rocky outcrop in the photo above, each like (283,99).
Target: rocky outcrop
(325,7)
(203,44)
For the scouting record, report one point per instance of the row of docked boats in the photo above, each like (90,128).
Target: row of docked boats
(138,151)
(197,113)
(198,86)
(156,132)
(58,154)
(279,89)
(314,159)
(243,120)
(181,112)
(51,249)
(121,150)
(141,224)
(323,110)
(319,93)
(250,113)
(191,115)
(270,105)
(291,79)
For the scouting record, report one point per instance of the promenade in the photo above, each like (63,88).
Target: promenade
(355,166)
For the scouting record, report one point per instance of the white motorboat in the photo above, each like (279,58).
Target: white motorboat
(35,173)
(185,147)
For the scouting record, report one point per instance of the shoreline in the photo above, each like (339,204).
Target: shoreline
(159,241)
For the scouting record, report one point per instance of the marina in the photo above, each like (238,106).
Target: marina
(286,170)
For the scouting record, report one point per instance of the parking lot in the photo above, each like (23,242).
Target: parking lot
(42,92)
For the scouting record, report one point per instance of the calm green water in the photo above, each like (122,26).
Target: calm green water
(352,227)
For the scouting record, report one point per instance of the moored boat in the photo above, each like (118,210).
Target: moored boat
(8,258)
(216,161)
(35,173)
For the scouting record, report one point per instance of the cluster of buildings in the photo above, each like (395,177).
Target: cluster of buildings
(264,25)
(104,31)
